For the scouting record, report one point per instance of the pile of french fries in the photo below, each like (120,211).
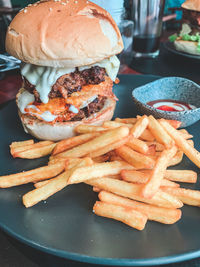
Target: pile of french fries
(125,161)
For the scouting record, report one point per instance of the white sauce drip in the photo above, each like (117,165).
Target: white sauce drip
(44,77)
(73,109)
(23,101)
(48,116)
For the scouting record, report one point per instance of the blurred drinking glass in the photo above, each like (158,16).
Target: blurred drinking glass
(147,16)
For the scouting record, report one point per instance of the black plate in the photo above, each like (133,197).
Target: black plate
(65,225)
(170,47)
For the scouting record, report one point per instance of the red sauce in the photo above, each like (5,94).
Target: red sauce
(170,105)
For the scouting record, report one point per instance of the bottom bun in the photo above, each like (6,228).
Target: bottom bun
(62,130)
(187,47)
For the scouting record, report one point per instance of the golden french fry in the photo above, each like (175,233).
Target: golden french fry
(40,184)
(48,189)
(126,215)
(140,177)
(16,150)
(138,160)
(35,152)
(162,215)
(185,134)
(174,123)
(190,152)
(158,172)
(81,174)
(159,133)
(138,145)
(38,174)
(127,120)
(158,147)
(21,143)
(72,142)
(115,124)
(99,142)
(102,158)
(109,147)
(191,142)
(96,189)
(147,136)
(176,159)
(152,150)
(133,191)
(184,176)
(139,127)
(187,196)
(84,128)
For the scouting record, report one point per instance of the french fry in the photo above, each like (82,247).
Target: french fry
(158,147)
(158,214)
(133,191)
(35,152)
(99,142)
(109,147)
(151,150)
(176,159)
(81,174)
(190,152)
(137,160)
(147,136)
(126,215)
(138,145)
(96,189)
(184,176)
(14,151)
(50,188)
(102,158)
(159,133)
(185,134)
(40,184)
(84,128)
(139,127)
(154,182)
(187,196)
(174,123)
(191,142)
(21,143)
(115,124)
(72,142)
(38,174)
(139,177)
(127,120)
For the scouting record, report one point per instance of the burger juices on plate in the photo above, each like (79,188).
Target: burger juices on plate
(68,49)
(188,40)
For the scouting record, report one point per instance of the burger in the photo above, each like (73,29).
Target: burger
(68,51)
(188,40)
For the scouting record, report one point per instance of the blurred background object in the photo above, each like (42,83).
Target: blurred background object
(147,16)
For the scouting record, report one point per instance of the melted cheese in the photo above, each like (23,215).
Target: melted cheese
(44,77)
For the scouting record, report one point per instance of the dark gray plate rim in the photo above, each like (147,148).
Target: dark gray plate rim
(105,261)
(170,47)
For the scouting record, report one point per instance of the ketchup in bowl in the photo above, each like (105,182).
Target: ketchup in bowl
(170,105)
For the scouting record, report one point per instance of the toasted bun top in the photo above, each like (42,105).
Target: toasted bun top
(63,33)
(192,5)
